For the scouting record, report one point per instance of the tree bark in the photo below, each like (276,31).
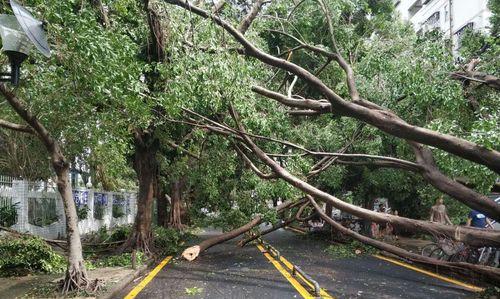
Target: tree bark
(145,166)
(468,75)
(176,204)
(76,275)
(193,252)
(489,272)
(156,45)
(161,205)
(248,19)
(103,14)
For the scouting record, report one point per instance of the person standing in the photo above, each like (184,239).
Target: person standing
(439,213)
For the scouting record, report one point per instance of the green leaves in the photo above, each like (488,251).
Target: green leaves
(32,254)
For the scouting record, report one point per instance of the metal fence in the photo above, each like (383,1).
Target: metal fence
(37,208)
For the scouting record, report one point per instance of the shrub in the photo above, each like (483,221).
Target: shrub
(21,255)
(122,260)
(118,211)
(8,215)
(166,240)
(82,212)
(120,233)
(349,250)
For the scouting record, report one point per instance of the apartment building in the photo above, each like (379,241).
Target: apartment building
(452,17)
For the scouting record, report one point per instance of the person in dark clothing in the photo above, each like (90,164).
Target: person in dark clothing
(478,219)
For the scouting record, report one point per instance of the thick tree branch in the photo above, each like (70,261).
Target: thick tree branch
(320,106)
(193,252)
(250,17)
(31,119)
(16,127)
(218,6)
(364,111)
(492,273)
(490,80)
(465,234)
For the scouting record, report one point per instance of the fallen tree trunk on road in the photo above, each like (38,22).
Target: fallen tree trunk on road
(191,253)
(275,227)
(489,272)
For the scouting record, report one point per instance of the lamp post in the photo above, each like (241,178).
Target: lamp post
(19,32)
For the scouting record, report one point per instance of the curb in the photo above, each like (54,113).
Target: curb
(120,286)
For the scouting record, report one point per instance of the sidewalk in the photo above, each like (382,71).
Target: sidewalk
(19,287)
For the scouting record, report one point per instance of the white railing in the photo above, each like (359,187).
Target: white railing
(40,209)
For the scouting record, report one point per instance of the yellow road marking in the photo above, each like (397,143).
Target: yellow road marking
(302,291)
(295,230)
(147,279)
(289,265)
(443,278)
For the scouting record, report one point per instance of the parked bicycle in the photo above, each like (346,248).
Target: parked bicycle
(448,250)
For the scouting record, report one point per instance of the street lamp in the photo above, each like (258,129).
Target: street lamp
(19,33)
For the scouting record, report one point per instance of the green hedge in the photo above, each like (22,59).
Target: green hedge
(23,255)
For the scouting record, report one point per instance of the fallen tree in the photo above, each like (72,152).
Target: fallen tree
(280,224)
(471,236)
(193,252)
(358,108)
(488,272)
(372,114)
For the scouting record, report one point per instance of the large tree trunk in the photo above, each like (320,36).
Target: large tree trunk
(145,166)
(76,275)
(489,272)
(176,204)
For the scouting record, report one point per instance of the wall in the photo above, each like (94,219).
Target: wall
(463,12)
(38,204)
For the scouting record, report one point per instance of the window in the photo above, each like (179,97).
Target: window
(432,21)
(427,1)
(414,8)
(460,32)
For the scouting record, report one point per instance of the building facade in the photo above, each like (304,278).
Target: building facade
(453,17)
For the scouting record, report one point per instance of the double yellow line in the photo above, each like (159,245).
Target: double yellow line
(294,282)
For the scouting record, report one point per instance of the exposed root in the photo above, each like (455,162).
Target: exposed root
(138,241)
(177,226)
(75,278)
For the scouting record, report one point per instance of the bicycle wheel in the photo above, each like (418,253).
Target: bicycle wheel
(427,249)
(484,255)
(439,254)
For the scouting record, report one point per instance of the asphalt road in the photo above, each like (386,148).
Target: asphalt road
(227,271)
